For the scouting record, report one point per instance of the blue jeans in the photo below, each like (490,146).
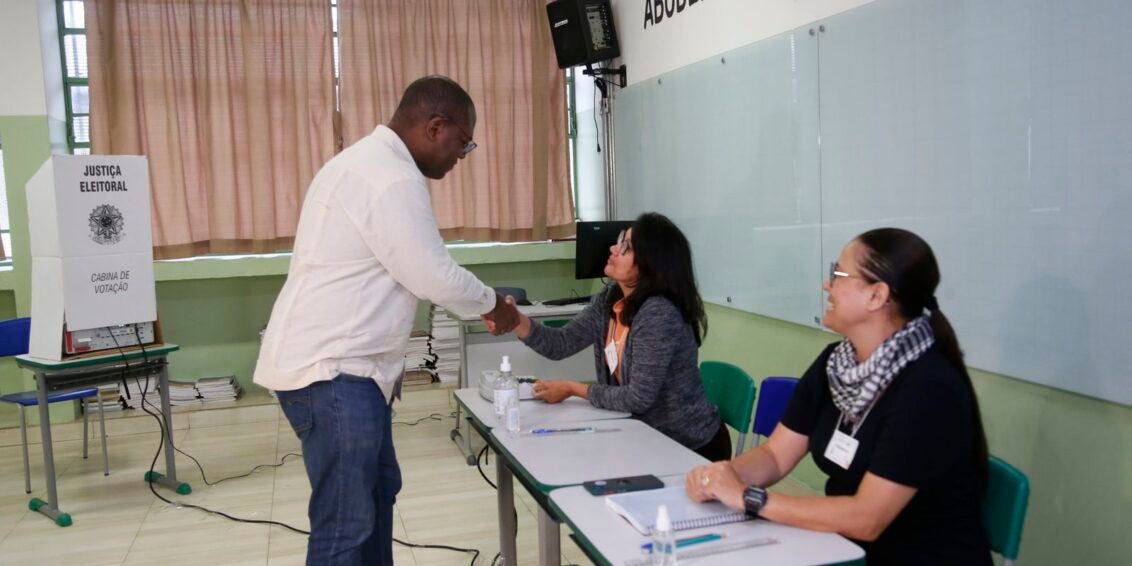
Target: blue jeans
(345,429)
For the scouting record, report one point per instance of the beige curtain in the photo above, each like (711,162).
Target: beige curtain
(233,103)
(515,186)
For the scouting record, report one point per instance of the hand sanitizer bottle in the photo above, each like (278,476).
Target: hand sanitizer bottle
(502,389)
(663,539)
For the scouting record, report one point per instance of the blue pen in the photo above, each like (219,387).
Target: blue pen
(557,430)
(681,543)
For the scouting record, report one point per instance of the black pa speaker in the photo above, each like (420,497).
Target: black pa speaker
(583,32)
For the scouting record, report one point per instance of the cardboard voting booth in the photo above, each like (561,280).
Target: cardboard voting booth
(91,247)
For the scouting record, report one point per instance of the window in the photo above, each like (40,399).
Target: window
(76,89)
(5,226)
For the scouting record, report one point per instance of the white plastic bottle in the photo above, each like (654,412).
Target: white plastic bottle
(512,408)
(503,388)
(663,539)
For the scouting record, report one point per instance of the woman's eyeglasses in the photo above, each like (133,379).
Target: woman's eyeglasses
(623,244)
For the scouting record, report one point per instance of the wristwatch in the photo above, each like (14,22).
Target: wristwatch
(754,499)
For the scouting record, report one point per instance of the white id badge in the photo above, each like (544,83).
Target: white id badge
(841,450)
(611,356)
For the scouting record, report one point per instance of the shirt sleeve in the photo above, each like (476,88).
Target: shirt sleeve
(577,335)
(398,225)
(802,412)
(921,437)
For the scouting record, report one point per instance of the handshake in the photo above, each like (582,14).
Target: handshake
(505,317)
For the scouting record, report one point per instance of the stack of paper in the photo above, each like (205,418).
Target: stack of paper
(182,393)
(131,388)
(218,389)
(108,392)
(419,356)
(445,332)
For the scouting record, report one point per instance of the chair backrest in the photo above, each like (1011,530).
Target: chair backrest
(732,390)
(1004,507)
(14,336)
(774,395)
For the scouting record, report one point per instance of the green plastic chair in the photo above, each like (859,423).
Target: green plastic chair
(733,391)
(1004,508)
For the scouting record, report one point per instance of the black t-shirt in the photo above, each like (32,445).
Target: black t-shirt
(919,434)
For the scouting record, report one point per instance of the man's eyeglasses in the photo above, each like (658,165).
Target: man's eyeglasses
(470,145)
(623,244)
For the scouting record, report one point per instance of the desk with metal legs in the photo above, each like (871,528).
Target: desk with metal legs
(533,414)
(537,313)
(609,540)
(616,448)
(51,375)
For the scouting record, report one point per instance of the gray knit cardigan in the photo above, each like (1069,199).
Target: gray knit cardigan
(660,374)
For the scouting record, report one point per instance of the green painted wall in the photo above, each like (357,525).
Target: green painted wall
(1077,451)
(217,321)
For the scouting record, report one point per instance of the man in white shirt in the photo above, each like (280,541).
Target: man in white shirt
(366,249)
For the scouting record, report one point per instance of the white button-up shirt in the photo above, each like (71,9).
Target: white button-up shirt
(366,249)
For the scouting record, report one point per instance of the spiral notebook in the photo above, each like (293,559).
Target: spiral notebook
(639,508)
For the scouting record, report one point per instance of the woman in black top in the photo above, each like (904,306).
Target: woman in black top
(889,413)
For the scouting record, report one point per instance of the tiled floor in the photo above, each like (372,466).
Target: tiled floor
(117,520)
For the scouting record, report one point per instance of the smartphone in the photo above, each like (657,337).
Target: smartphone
(623,485)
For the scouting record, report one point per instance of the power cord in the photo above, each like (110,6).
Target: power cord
(153,464)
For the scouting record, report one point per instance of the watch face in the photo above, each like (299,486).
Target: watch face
(754,498)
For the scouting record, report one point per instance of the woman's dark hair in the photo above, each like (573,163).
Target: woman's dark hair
(906,263)
(664,265)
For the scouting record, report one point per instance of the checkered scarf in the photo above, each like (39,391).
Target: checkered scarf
(855,386)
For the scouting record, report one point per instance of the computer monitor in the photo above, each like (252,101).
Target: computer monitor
(592,246)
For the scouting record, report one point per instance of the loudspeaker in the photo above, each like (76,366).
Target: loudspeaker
(582,31)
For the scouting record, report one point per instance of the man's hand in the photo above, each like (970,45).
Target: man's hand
(503,318)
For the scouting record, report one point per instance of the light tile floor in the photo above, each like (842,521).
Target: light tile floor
(118,521)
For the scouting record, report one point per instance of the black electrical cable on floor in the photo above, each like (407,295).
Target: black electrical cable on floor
(153,464)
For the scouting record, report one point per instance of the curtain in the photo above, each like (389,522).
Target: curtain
(515,186)
(233,103)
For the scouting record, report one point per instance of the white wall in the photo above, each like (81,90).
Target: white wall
(706,28)
(30,46)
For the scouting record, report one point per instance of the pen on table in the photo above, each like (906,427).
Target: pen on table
(683,542)
(557,430)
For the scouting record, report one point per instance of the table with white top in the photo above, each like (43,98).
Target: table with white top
(532,414)
(617,448)
(610,540)
(537,313)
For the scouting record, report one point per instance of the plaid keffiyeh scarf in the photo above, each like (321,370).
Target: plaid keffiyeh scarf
(855,386)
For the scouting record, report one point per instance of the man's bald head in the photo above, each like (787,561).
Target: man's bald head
(433,95)
(436,119)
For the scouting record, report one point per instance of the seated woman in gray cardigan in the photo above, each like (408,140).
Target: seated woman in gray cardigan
(645,330)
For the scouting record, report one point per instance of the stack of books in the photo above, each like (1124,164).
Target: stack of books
(218,389)
(182,393)
(130,392)
(108,393)
(445,332)
(419,357)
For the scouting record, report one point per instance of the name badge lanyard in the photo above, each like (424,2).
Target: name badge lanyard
(842,447)
(611,349)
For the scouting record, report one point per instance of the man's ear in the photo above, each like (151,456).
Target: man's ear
(432,127)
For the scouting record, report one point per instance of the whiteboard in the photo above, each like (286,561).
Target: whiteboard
(998,130)
(728,149)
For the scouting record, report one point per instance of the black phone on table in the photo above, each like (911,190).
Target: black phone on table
(623,485)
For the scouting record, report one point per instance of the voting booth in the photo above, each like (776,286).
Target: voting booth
(92,256)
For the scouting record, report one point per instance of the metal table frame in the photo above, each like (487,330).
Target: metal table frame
(51,375)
